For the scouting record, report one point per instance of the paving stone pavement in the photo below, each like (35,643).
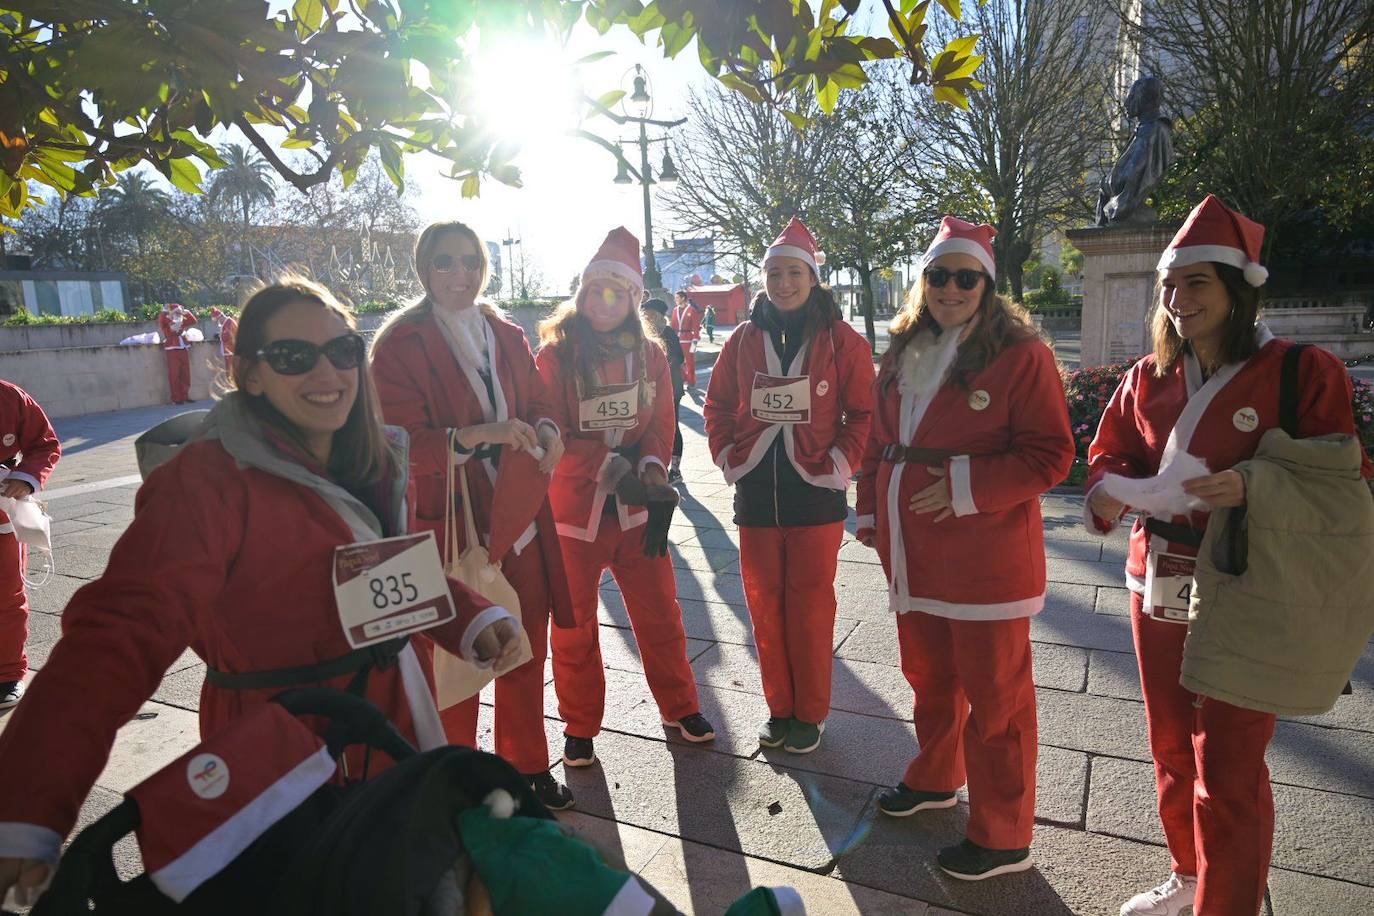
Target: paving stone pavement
(705,823)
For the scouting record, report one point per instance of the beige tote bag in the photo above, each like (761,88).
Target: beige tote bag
(455,678)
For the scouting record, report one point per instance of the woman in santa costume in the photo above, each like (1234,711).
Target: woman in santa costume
(787,414)
(452,362)
(971,428)
(28,452)
(228,329)
(614,397)
(305,476)
(686,320)
(1210,389)
(174,321)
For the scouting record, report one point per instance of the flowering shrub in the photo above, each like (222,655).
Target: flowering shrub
(1363,404)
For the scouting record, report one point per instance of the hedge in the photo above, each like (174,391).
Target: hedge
(1088,391)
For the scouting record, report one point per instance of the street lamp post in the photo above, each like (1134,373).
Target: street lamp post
(627,174)
(510,241)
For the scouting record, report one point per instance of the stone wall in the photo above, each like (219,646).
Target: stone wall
(1118,289)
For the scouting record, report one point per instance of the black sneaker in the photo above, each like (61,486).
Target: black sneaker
(970,862)
(553,794)
(11,692)
(674,475)
(578,752)
(901,801)
(774,731)
(694,728)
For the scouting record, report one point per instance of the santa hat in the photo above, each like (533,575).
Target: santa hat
(957,236)
(796,241)
(617,259)
(1215,232)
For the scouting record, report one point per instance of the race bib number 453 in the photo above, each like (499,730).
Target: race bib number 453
(388,588)
(781,398)
(610,408)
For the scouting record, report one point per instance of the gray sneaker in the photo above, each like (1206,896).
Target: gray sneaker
(803,737)
(774,731)
(11,692)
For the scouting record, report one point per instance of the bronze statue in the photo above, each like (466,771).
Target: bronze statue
(1121,198)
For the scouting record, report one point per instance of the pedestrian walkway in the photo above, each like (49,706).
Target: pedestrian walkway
(704,823)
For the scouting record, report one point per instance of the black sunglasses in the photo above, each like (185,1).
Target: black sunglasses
(297,357)
(445,263)
(966,278)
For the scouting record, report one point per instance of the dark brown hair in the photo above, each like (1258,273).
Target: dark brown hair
(360,454)
(1001,323)
(1238,337)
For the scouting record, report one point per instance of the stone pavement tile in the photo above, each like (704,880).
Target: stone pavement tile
(873,641)
(708,538)
(1327,759)
(53,595)
(1296,894)
(860,687)
(697,518)
(852,551)
(103,536)
(1316,832)
(1096,725)
(1059,667)
(1068,619)
(80,561)
(81,508)
(118,515)
(1113,601)
(862,575)
(722,587)
(182,688)
(142,747)
(623,846)
(128,861)
(1076,873)
(700,879)
(741,805)
(691,557)
(1083,572)
(44,631)
(1114,551)
(862,602)
(1114,674)
(701,619)
(66,526)
(619,650)
(1073,549)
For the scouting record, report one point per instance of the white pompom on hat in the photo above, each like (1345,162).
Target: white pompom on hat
(617,259)
(1215,232)
(796,241)
(957,236)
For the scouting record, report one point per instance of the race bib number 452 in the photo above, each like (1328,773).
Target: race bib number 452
(781,398)
(610,408)
(388,588)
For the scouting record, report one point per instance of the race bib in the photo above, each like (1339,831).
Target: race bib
(1168,586)
(784,399)
(615,408)
(388,588)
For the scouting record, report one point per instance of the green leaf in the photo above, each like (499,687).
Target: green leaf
(951,7)
(827,93)
(951,97)
(309,12)
(611,98)
(184,174)
(796,120)
(472,186)
(960,47)
(593,57)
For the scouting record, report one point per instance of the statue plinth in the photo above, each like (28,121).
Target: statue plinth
(1118,289)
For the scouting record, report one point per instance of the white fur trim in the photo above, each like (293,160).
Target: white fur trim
(790,251)
(960,486)
(866,521)
(479,623)
(27,478)
(600,270)
(1195,254)
(1255,274)
(648,460)
(1004,610)
(630,900)
(29,841)
(553,427)
(961,246)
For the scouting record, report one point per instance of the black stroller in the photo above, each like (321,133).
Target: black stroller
(388,845)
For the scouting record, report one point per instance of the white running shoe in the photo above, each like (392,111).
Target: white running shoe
(1169,899)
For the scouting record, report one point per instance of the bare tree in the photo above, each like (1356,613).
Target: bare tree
(1020,155)
(527,279)
(1274,105)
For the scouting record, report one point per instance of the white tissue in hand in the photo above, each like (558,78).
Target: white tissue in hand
(1163,493)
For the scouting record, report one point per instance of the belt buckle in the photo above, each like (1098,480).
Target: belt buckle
(892,452)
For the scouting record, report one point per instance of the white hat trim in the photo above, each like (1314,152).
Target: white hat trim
(1255,274)
(601,269)
(961,246)
(790,251)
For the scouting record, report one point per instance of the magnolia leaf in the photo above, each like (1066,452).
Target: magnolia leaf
(962,46)
(472,186)
(184,174)
(796,120)
(951,7)
(593,57)
(610,98)
(827,93)
(951,97)
(309,12)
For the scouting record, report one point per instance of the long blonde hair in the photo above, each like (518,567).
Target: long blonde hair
(425,244)
(582,350)
(1000,324)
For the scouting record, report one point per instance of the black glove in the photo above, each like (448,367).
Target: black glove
(661,503)
(620,476)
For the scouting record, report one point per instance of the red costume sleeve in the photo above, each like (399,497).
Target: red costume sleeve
(657,442)
(36,440)
(1324,399)
(404,402)
(855,371)
(865,492)
(722,399)
(584,455)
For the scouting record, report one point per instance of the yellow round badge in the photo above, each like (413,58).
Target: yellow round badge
(979,400)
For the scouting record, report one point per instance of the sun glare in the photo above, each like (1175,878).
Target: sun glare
(528,90)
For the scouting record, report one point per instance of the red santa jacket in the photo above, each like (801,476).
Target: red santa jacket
(686,320)
(28,445)
(576,492)
(838,366)
(1008,435)
(251,589)
(1220,422)
(422,387)
(174,338)
(228,331)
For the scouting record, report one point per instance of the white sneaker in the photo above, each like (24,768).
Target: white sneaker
(1169,899)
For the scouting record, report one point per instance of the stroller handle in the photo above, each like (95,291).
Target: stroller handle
(352,720)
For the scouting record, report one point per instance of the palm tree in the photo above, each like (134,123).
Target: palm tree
(133,206)
(245,179)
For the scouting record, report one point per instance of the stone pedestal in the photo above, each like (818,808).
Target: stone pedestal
(1118,289)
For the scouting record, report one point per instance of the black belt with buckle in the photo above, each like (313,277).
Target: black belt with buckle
(914,455)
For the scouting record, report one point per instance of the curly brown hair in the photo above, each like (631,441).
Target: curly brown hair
(569,334)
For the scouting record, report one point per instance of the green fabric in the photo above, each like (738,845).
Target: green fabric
(531,865)
(1284,636)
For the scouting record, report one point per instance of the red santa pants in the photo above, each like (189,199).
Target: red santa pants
(650,593)
(789,584)
(520,734)
(14,605)
(953,665)
(1214,796)
(179,374)
(689,363)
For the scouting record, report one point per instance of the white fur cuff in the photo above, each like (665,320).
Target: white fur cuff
(961,486)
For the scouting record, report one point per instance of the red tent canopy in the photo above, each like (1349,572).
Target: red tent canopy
(731,301)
